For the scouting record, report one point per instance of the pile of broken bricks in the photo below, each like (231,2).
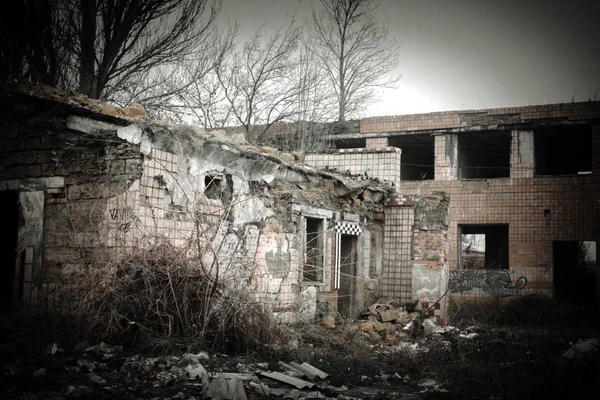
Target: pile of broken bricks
(385,323)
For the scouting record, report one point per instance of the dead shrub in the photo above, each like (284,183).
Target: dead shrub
(158,296)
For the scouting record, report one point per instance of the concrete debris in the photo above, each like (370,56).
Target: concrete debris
(104,350)
(293,394)
(188,359)
(79,391)
(309,371)
(387,312)
(262,388)
(287,157)
(53,349)
(471,335)
(279,392)
(222,388)
(427,383)
(186,378)
(581,349)
(86,365)
(411,347)
(278,376)
(196,371)
(97,379)
(428,327)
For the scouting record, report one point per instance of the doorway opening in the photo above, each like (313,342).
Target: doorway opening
(347,289)
(574,279)
(9,203)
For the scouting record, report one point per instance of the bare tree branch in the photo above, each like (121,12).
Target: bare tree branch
(356,51)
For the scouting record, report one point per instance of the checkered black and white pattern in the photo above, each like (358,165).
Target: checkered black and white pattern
(348,228)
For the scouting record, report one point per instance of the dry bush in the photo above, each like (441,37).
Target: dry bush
(158,296)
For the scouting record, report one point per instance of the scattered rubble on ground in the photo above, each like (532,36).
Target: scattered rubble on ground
(390,354)
(105,371)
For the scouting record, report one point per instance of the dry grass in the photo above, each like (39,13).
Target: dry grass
(158,297)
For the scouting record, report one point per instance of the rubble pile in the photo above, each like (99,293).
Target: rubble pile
(105,372)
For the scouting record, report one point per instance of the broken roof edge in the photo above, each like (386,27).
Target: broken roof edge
(99,110)
(74,102)
(194,133)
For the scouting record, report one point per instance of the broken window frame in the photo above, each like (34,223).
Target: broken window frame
(480,229)
(317,274)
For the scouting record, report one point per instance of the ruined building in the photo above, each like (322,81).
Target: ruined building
(480,204)
(523,185)
(80,177)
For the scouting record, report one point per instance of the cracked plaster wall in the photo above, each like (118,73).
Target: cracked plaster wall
(252,226)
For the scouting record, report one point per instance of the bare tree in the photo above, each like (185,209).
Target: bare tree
(36,53)
(134,36)
(108,46)
(168,91)
(258,81)
(357,51)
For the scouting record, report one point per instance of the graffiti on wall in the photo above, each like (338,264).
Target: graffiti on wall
(122,218)
(495,282)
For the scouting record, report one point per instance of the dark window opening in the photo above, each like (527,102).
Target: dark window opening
(484,246)
(563,150)
(313,260)
(213,186)
(350,143)
(417,158)
(484,155)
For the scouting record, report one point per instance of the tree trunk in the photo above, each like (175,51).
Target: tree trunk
(342,111)
(87,77)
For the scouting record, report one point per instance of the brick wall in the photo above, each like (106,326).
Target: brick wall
(520,203)
(76,173)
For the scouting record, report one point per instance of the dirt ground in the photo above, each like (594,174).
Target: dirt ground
(531,348)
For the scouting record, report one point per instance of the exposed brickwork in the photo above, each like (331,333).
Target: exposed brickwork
(399,200)
(37,153)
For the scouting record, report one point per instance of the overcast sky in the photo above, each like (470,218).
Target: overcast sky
(465,54)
